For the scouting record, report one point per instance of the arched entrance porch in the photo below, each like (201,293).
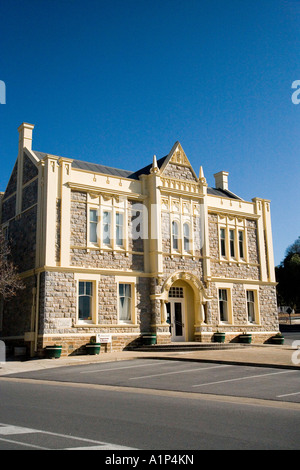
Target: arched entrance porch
(184,301)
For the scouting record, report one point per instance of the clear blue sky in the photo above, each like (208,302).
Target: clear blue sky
(116,81)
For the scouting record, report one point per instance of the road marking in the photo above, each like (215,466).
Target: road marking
(243,378)
(288,394)
(163,393)
(177,372)
(118,368)
(11,441)
(6,429)
(101,447)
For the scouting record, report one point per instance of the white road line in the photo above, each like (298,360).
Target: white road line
(118,368)
(243,378)
(104,447)
(178,372)
(11,441)
(288,395)
(8,430)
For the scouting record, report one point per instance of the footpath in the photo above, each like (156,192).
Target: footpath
(252,355)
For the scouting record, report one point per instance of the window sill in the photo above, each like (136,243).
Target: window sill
(105,325)
(82,323)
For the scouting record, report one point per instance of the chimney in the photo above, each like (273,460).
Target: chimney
(25,136)
(221,180)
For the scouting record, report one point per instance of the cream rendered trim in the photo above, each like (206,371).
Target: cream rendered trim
(269,240)
(155,241)
(133,282)
(255,289)
(95,279)
(261,240)
(236,333)
(30,181)
(225,286)
(243,281)
(41,214)
(31,155)
(65,226)
(231,212)
(178,192)
(51,170)
(25,142)
(86,326)
(97,190)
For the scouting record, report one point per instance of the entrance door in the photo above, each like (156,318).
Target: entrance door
(175,316)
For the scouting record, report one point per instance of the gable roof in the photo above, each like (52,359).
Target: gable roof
(177,155)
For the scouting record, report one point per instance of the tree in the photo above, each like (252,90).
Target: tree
(288,277)
(10,281)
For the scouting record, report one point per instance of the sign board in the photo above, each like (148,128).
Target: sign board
(103,338)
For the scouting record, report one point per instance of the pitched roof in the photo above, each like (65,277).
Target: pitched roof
(222,193)
(107,170)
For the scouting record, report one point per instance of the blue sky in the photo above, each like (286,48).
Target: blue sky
(117,81)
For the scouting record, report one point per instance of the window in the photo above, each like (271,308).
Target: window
(176,292)
(85,303)
(231,243)
(241,244)
(93,225)
(125,303)
(186,237)
(223,305)
(175,235)
(106,227)
(222,242)
(119,229)
(251,306)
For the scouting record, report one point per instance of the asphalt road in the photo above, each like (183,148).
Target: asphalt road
(192,377)
(151,405)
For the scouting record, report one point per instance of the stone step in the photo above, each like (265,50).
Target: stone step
(188,347)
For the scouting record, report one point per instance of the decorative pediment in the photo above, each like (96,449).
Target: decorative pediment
(177,165)
(179,157)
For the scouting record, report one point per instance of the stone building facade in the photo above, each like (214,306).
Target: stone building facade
(109,251)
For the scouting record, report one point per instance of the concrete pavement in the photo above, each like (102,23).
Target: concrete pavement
(255,355)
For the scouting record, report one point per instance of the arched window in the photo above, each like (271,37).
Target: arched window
(186,237)
(175,234)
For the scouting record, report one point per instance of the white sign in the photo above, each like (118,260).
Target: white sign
(103,338)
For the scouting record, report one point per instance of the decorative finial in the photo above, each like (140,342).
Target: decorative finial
(154,168)
(202,178)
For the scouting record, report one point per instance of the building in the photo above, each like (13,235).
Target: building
(103,250)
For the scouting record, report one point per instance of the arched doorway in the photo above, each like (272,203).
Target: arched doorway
(181,311)
(184,299)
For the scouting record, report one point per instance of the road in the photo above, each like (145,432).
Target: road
(151,405)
